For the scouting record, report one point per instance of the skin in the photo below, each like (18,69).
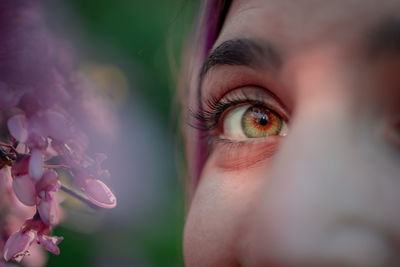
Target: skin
(328,193)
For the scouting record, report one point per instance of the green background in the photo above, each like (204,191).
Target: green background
(144,40)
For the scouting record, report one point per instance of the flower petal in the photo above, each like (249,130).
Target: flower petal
(5,178)
(48,182)
(18,127)
(17,245)
(56,125)
(24,189)
(49,210)
(36,164)
(20,167)
(99,193)
(38,257)
(100,157)
(50,243)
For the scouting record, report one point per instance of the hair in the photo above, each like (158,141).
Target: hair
(201,40)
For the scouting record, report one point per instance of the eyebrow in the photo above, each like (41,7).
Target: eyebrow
(244,52)
(384,40)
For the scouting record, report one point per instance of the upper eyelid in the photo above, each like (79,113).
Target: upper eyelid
(223,78)
(249,92)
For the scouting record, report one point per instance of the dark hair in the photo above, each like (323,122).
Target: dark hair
(208,25)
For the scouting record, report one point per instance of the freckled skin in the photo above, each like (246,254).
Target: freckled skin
(329,193)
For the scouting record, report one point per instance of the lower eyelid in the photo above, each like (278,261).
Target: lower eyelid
(233,156)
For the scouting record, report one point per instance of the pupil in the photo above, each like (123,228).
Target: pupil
(263,120)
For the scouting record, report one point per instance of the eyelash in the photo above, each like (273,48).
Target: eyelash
(208,118)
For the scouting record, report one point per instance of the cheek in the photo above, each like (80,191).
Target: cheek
(218,214)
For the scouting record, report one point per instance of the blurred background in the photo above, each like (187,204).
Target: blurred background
(129,49)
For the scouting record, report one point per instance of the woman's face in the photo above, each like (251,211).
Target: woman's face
(301,105)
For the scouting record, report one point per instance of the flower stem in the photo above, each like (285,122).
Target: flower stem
(56,167)
(78,196)
(9,146)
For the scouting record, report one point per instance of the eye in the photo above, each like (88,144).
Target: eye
(253,121)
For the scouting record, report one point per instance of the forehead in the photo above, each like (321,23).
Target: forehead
(305,22)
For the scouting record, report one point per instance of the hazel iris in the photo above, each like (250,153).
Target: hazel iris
(259,121)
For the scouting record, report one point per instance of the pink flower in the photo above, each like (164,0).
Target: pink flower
(48,182)
(25,190)
(50,243)
(56,125)
(36,164)
(18,127)
(17,245)
(48,209)
(46,109)
(20,166)
(97,192)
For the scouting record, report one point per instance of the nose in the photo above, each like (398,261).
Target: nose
(331,197)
